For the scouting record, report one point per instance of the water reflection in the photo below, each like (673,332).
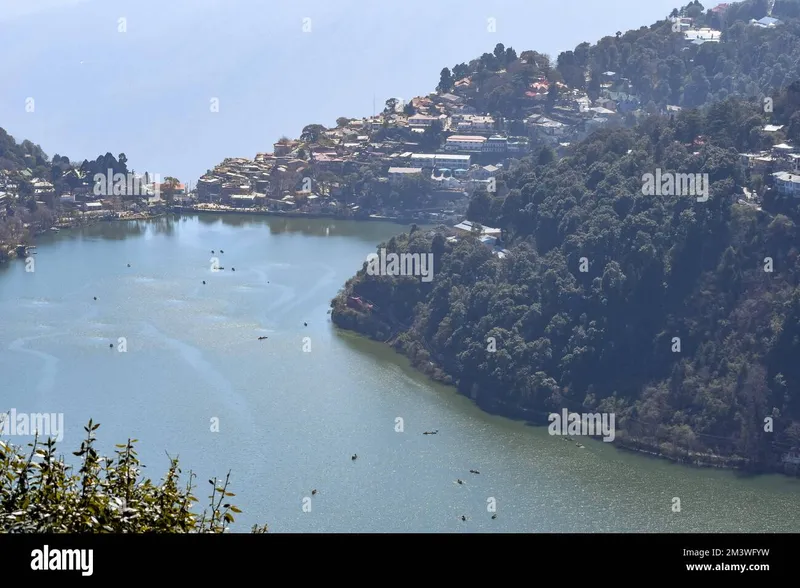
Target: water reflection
(111,231)
(310,227)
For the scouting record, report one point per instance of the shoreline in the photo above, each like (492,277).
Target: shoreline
(624,441)
(63,224)
(290,214)
(84,221)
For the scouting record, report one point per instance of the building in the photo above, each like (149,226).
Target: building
(395,173)
(285,148)
(466,228)
(420,120)
(766,22)
(546,126)
(464,143)
(476,124)
(451,98)
(703,35)
(488,240)
(484,173)
(518,145)
(787,184)
(439,160)
(495,144)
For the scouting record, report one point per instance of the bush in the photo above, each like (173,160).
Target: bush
(40,493)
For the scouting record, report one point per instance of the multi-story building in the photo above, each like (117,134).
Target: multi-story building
(495,144)
(787,183)
(465,143)
(440,160)
(420,120)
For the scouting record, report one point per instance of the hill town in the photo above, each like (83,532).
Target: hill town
(421,160)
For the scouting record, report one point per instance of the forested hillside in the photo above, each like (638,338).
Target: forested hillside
(749,61)
(679,315)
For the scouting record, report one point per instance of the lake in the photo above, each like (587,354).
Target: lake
(293,409)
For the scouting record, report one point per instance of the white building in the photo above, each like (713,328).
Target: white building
(476,124)
(464,143)
(703,35)
(440,160)
(466,228)
(766,22)
(400,172)
(787,184)
(420,120)
(484,173)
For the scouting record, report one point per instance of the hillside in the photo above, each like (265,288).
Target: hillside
(37,193)
(678,312)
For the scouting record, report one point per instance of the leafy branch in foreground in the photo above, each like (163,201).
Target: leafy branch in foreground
(40,493)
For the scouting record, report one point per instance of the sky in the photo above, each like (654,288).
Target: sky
(142,77)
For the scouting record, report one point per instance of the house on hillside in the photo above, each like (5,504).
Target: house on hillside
(766,22)
(468,228)
(396,173)
(420,120)
(464,143)
(787,184)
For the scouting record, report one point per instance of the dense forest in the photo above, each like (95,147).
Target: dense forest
(681,317)
(748,61)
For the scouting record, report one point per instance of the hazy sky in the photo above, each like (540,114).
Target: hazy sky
(147,91)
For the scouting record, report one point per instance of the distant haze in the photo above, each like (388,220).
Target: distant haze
(146,92)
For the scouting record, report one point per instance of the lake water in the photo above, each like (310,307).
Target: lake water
(293,408)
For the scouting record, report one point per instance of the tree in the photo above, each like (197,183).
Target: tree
(409,109)
(391,105)
(552,97)
(168,188)
(342,121)
(432,137)
(511,55)
(40,493)
(460,71)
(311,133)
(500,52)
(445,81)
(479,206)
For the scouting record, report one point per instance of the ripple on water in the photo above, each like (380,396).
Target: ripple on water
(215,318)
(175,302)
(37,302)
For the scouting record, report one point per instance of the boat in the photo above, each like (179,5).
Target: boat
(55,229)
